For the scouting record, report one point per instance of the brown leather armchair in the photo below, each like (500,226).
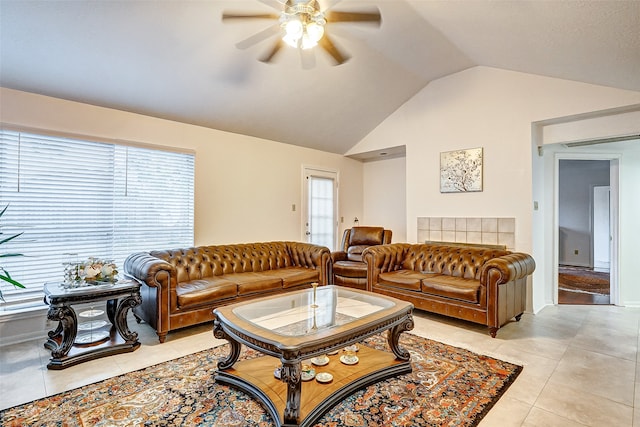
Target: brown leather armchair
(348,267)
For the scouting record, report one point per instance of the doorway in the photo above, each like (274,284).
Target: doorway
(584,231)
(320,207)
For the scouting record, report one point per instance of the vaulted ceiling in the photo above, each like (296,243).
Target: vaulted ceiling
(178,60)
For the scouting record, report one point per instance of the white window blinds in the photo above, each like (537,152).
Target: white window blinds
(77,199)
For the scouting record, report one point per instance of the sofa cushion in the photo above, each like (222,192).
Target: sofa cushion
(203,291)
(405,279)
(350,269)
(250,283)
(294,276)
(354,253)
(452,287)
(366,236)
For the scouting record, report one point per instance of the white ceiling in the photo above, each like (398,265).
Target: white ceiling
(177,60)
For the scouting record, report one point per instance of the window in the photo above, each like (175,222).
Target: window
(320,195)
(76,199)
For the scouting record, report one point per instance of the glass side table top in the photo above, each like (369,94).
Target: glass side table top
(311,311)
(61,289)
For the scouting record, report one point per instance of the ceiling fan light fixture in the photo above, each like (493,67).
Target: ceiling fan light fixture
(315,31)
(303,23)
(293,31)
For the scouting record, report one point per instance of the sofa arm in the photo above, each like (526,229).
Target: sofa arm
(309,255)
(383,258)
(149,269)
(507,268)
(338,256)
(504,281)
(158,280)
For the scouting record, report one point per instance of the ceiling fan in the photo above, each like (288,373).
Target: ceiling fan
(301,24)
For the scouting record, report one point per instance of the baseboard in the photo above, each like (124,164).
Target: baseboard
(574,264)
(630,304)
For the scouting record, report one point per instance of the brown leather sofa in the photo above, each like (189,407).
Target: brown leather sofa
(481,285)
(181,287)
(348,267)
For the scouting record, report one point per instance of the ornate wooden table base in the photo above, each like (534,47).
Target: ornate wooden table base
(65,351)
(290,400)
(256,377)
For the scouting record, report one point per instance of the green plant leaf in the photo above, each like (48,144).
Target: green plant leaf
(8,279)
(5,276)
(10,238)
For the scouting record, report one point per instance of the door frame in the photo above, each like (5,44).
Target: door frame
(323,172)
(614,183)
(601,208)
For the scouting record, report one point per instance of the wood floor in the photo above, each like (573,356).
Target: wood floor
(567,297)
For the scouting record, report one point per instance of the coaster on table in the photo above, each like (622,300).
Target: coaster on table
(353,347)
(349,360)
(324,377)
(320,360)
(308,375)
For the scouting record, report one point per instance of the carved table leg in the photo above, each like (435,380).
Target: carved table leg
(291,374)
(219,333)
(112,306)
(67,328)
(57,332)
(119,318)
(393,337)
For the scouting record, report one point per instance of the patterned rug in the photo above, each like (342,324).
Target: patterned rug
(576,279)
(448,387)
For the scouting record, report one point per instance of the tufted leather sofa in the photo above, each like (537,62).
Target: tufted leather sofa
(181,287)
(481,285)
(348,269)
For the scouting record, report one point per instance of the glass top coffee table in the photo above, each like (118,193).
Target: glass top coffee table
(297,329)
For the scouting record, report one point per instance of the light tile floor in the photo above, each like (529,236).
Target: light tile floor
(580,364)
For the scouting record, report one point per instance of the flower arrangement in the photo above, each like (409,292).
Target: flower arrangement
(91,270)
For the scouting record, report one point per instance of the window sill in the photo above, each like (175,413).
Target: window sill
(21,311)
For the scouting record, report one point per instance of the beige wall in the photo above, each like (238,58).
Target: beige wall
(384,189)
(245,187)
(489,108)
(493,109)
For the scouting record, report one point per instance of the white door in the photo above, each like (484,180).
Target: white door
(320,207)
(601,228)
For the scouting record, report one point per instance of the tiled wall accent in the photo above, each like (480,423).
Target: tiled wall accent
(491,231)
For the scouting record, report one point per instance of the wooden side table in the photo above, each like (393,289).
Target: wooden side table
(96,340)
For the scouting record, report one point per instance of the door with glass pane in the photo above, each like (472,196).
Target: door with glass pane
(320,207)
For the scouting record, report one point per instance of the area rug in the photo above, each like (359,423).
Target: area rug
(576,279)
(449,386)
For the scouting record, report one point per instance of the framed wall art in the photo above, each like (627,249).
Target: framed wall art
(461,171)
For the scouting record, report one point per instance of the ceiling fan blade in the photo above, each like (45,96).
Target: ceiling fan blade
(273,3)
(276,48)
(373,17)
(326,43)
(227,16)
(258,37)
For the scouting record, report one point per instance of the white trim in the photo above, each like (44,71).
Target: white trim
(324,172)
